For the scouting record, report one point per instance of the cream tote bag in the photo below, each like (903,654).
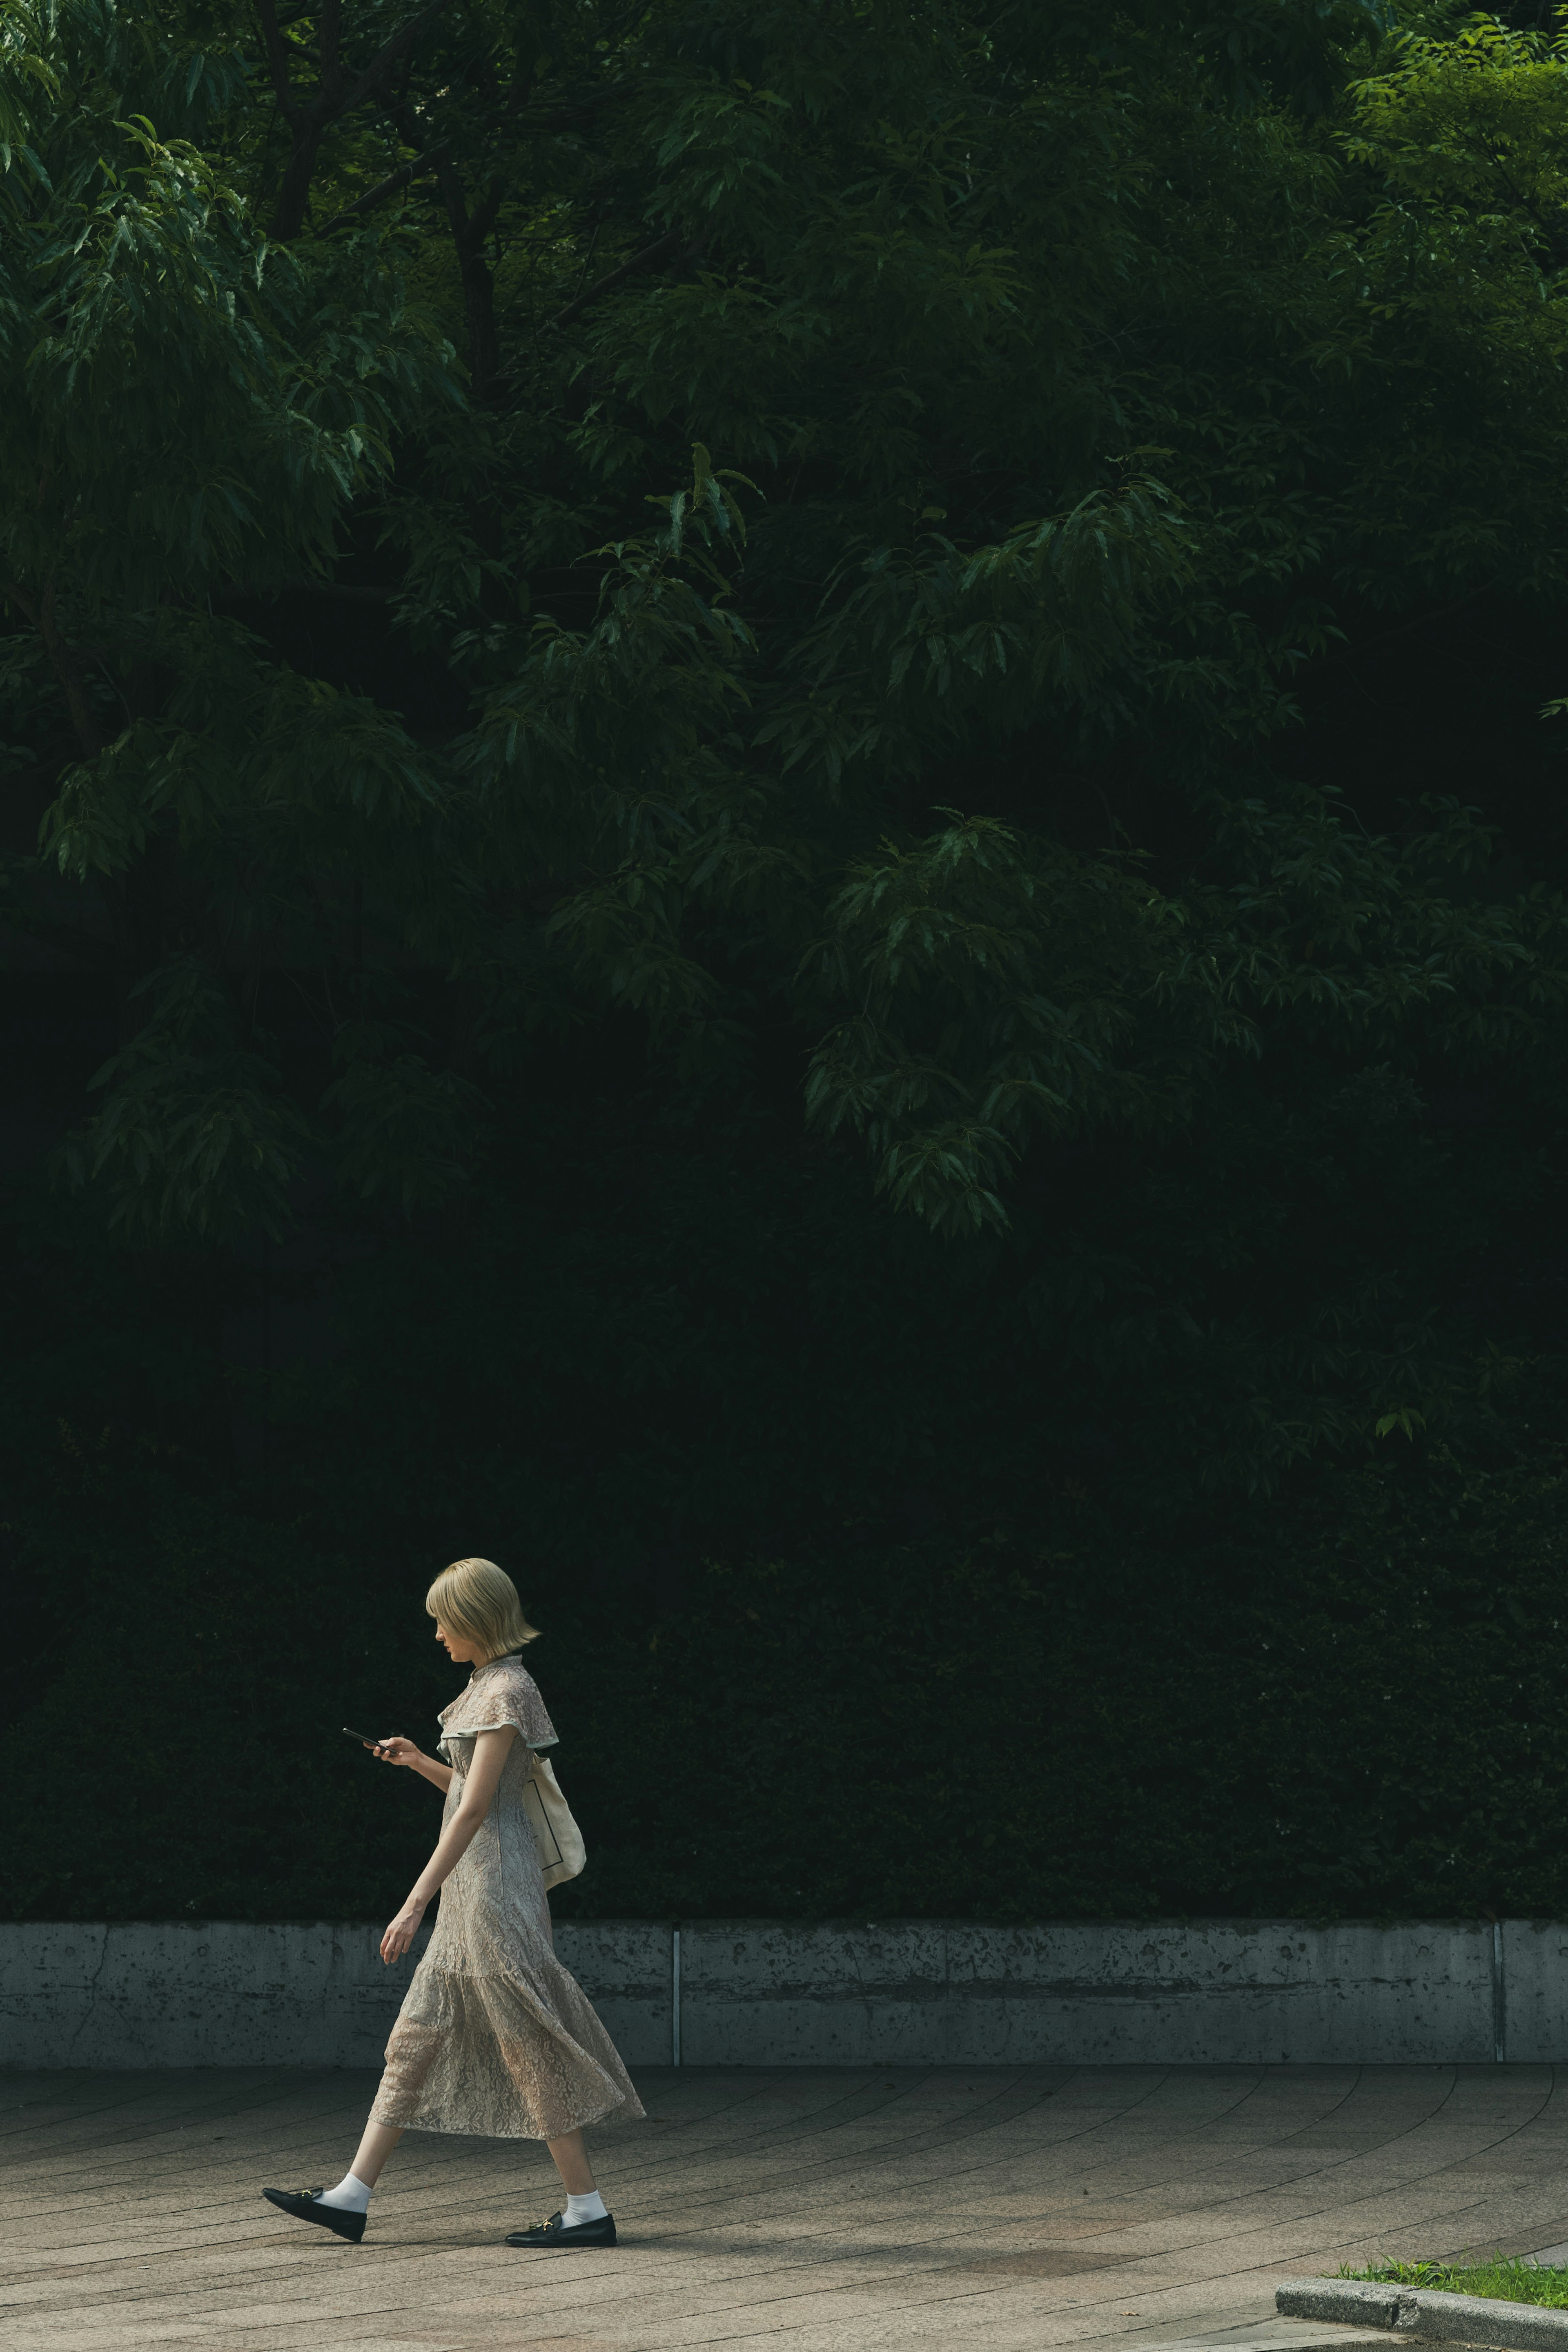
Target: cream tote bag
(561,1853)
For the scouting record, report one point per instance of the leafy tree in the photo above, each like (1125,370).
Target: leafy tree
(840,505)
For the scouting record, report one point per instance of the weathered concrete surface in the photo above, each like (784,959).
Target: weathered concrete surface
(1533,1990)
(1365,2301)
(226,1993)
(756,1993)
(1428,2312)
(1208,1991)
(214,1993)
(794,2209)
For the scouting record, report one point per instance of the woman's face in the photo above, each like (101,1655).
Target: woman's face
(461,1652)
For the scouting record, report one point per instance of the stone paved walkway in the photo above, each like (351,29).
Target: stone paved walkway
(786,2211)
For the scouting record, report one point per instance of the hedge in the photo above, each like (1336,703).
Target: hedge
(1355,1703)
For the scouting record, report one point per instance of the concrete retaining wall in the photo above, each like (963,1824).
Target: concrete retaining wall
(760,1992)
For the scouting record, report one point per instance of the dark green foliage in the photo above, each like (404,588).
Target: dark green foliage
(773,793)
(880,435)
(1369,1718)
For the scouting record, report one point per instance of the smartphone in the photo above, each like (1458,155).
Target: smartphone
(362,1736)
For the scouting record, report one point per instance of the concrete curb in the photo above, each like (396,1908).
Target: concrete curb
(1425,2311)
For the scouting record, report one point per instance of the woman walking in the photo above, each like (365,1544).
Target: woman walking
(494,2037)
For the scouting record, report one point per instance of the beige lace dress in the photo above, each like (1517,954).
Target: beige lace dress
(495,2036)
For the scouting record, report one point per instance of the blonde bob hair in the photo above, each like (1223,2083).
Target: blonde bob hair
(477,1600)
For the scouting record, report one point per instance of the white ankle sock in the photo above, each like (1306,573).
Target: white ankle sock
(350,2194)
(591,2208)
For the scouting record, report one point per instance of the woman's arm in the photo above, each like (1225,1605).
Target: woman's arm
(478,1795)
(403,1751)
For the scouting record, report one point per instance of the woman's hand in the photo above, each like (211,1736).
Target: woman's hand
(401,1932)
(396,1750)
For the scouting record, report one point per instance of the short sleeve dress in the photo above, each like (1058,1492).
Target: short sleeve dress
(495,2037)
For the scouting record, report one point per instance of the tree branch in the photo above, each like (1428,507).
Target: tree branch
(469,233)
(451,185)
(566,116)
(393,181)
(656,251)
(482,219)
(277,57)
(332,28)
(334,98)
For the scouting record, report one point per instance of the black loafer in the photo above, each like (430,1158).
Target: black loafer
(555,2232)
(306,2206)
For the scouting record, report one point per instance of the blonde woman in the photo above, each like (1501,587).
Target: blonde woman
(494,2036)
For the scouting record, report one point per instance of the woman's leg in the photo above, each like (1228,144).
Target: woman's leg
(350,2201)
(571,2162)
(377,2145)
(583,2219)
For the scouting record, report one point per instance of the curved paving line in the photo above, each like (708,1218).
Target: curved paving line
(984,2116)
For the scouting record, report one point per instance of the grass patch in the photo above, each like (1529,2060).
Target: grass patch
(1512,2279)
